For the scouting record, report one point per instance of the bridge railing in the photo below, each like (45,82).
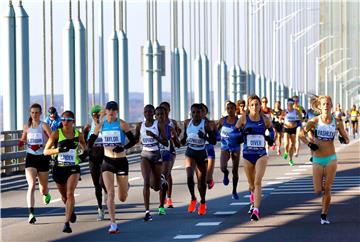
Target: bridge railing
(13,157)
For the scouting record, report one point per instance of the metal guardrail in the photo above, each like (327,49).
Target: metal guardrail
(13,157)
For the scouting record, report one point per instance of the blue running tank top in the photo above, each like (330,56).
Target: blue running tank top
(112,134)
(99,141)
(226,129)
(254,143)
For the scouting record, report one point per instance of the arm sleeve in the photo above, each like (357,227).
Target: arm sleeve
(131,139)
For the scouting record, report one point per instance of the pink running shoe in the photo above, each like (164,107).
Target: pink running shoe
(255,215)
(278,152)
(273,147)
(251,197)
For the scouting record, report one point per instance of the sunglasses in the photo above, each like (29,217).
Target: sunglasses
(67,119)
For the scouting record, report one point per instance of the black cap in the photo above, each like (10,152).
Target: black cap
(112,105)
(52,110)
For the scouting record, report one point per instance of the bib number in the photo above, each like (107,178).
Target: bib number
(111,138)
(34,139)
(255,141)
(67,158)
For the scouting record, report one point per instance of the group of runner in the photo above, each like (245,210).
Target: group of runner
(106,139)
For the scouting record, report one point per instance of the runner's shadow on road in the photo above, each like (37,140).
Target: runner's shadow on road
(300,223)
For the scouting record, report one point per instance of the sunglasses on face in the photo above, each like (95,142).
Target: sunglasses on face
(63,119)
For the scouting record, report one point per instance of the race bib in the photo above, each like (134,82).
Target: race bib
(111,138)
(225,131)
(67,158)
(193,139)
(34,138)
(255,141)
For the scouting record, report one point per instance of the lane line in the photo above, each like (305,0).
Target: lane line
(292,173)
(224,212)
(299,170)
(305,166)
(177,167)
(208,224)
(134,178)
(247,196)
(305,192)
(274,182)
(59,199)
(188,236)
(283,178)
(267,188)
(334,185)
(239,204)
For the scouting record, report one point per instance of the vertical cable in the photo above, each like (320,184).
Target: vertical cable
(195,28)
(114,16)
(86,44)
(44,52)
(233,25)
(199,40)
(121,15)
(93,50)
(155,19)
(51,54)
(70,13)
(182,24)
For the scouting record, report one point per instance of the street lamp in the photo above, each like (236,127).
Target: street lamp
(336,78)
(318,61)
(293,38)
(331,68)
(307,50)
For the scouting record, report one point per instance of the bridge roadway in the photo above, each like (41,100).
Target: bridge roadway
(289,212)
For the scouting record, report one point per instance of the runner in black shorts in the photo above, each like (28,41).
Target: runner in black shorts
(96,157)
(35,135)
(151,134)
(278,123)
(196,132)
(113,132)
(66,171)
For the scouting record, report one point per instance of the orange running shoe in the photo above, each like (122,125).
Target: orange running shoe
(202,209)
(169,203)
(192,206)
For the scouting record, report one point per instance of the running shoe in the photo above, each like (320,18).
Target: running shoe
(311,159)
(324,221)
(147,217)
(113,229)
(286,154)
(202,209)
(192,206)
(32,218)
(235,196)
(162,211)
(278,152)
(251,208)
(296,154)
(255,215)
(101,214)
(211,184)
(291,163)
(252,197)
(226,178)
(169,203)
(274,147)
(165,200)
(47,199)
(73,218)
(67,228)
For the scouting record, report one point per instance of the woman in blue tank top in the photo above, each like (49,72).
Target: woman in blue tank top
(196,132)
(324,127)
(253,126)
(113,131)
(226,125)
(172,123)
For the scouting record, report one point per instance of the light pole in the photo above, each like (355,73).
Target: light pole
(307,50)
(318,61)
(293,38)
(331,68)
(336,78)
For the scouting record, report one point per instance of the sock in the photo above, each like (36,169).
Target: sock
(31,210)
(202,201)
(67,224)
(256,209)
(323,216)
(252,197)
(147,211)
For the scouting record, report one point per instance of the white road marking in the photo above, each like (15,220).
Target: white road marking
(134,178)
(283,178)
(267,188)
(305,166)
(299,170)
(187,236)
(273,183)
(59,199)
(304,186)
(239,204)
(208,224)
(225,212)
(292,173)
(177,167)
(304,192)
(247,196)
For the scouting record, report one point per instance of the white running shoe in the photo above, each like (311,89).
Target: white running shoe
(113,229)
(101,214)
(324,221)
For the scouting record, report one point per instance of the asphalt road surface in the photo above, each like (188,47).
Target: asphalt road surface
(290,211)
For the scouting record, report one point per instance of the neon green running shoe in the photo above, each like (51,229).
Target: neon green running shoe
(286,154)
(291,163)
(162,211)
(47,199)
